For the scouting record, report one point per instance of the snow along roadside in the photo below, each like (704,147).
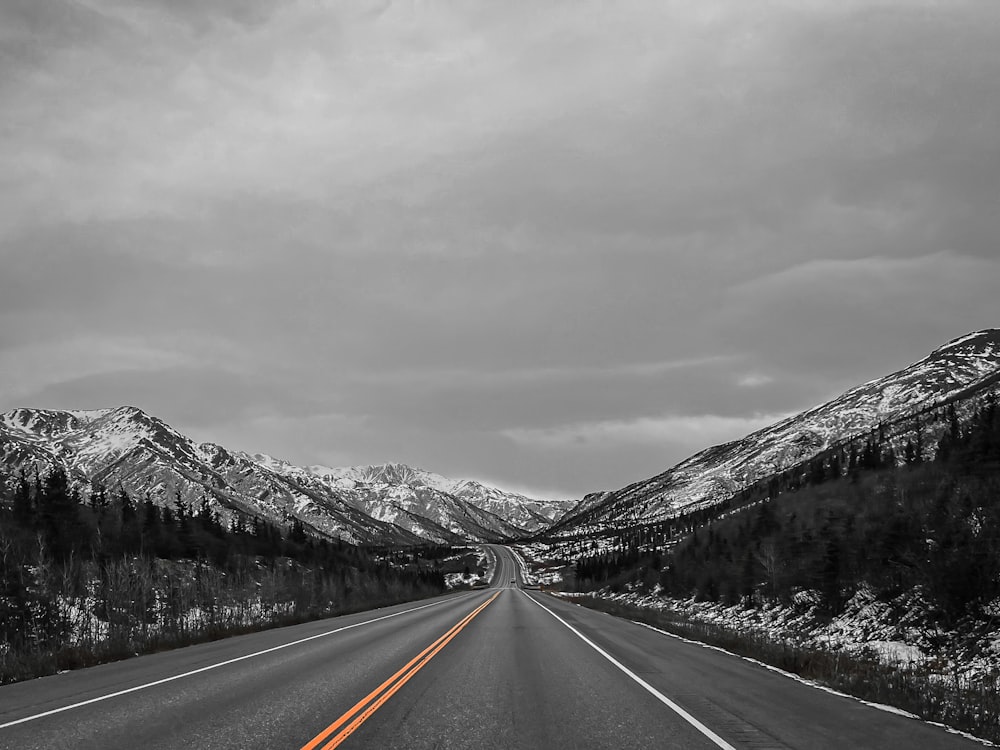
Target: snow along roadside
(528,579)
(817,685)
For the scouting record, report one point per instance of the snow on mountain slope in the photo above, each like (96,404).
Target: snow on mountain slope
(520,513)
(36,423)
(717,473)
(391,504)
(409,496)
(520,510)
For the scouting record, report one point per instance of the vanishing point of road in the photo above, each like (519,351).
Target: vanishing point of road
(495,668)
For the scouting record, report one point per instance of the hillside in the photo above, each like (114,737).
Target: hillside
(126,448)
(962,367)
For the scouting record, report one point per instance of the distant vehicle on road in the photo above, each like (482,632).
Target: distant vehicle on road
(514,581)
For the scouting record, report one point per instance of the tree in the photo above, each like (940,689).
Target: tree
(131,531)
(298,532)
(23,510)
(151,526)
(59,508)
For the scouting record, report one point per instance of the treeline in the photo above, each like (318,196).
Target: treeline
(893,529)
(928,524)
(619,553)
(84,580)
(893,514)
(104,525)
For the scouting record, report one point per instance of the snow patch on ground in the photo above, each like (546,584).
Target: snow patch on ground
(892,633)
(538,567)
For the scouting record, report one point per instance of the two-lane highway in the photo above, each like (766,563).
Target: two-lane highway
(496,668)
(506,567)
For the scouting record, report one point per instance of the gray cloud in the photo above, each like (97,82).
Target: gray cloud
(513,241)
(198,397)
(879,313)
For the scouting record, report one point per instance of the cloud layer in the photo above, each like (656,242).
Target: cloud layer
(559,246)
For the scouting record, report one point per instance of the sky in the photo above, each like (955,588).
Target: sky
(555,246)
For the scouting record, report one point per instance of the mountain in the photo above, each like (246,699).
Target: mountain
(423,503)
(393,504)
(959,370)
(414,487)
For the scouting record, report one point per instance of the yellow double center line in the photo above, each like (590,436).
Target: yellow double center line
(368,705)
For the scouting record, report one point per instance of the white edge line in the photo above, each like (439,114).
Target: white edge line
(136,688)
(818,685)
(645,685)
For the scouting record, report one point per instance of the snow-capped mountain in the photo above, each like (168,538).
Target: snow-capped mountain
(390,504)
(431,495)
(962,368)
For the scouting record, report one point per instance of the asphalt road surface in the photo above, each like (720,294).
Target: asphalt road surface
(496,668)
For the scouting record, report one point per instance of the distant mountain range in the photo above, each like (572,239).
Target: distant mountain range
(960,372)
(396,504)
(391,504)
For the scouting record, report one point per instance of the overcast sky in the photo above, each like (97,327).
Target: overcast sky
(557,246)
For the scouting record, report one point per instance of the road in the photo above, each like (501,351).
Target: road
(496,668)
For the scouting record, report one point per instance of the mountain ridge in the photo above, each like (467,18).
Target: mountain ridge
(963,365)
(382,504)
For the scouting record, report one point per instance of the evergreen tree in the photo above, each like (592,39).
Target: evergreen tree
(23,507)
(59,507)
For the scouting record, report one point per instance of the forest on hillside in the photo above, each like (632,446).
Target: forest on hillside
(89,579)
(867,513)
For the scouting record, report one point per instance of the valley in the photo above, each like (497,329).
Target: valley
(853,544)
